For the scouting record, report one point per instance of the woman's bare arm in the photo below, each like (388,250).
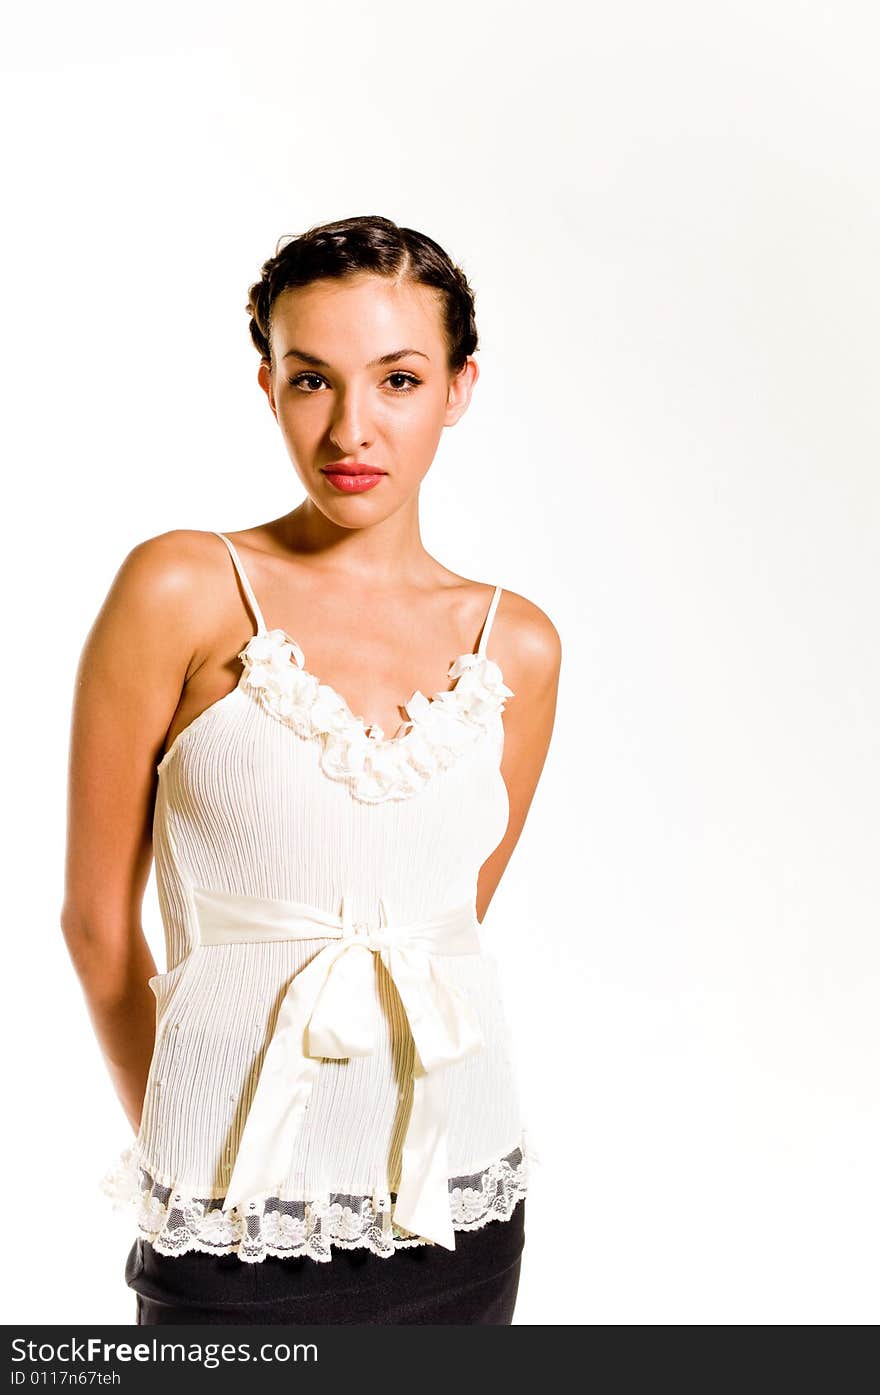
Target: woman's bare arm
(136,658)
(527,646)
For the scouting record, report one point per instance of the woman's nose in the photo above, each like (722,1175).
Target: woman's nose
(350,428)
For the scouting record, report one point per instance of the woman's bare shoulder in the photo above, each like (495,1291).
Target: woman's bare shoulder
(167,592)
(172,557)
(525,640)
(177,568)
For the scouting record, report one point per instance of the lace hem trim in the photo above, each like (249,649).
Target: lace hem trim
(375,767)
(175,1222)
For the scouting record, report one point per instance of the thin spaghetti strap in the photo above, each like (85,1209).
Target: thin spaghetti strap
(487,623)
(248,589)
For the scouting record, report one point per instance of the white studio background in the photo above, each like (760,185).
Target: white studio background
(671,216)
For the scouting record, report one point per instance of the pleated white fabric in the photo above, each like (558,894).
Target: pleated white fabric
(278,792)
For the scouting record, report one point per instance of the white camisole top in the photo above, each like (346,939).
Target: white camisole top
(332,1063)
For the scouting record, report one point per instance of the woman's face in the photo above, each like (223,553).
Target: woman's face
(360,377)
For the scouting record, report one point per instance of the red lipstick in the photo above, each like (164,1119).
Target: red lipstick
(352,476)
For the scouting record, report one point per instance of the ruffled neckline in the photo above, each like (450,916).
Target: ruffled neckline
(438,729)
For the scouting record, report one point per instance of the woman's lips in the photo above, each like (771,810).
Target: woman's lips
(348,483)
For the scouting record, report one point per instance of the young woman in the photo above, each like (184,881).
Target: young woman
(327,1126)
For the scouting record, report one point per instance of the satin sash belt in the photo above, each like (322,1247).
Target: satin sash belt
(329,1009)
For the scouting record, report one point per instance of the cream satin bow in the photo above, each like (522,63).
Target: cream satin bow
(329,1010)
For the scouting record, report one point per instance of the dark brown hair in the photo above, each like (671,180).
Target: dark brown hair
(352,245)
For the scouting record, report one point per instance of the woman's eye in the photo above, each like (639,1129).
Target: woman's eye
(403,382)
(302,379)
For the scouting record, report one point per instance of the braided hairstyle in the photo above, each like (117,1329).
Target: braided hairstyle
(373,244)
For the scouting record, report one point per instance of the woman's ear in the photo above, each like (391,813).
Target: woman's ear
(460,388)
(264,378)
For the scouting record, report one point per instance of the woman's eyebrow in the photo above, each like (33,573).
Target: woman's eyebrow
(374,363)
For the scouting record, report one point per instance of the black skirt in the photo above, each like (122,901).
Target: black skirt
(476,1282)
